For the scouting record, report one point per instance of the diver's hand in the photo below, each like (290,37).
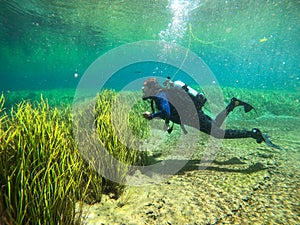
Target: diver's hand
(147,115)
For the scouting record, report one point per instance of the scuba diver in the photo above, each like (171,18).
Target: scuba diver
(183,106)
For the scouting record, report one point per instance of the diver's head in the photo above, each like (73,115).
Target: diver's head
(151,87)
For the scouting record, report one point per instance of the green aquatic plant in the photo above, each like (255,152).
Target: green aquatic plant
(42,173)
(119,128)
(120,120)
(139,126)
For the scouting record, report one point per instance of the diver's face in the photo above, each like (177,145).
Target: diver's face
(145,89)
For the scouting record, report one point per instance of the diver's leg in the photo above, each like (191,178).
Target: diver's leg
(219,133)
(220,118)
(208,126)
(254,133)
(235,134)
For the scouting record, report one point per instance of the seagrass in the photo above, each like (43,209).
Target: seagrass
(43,174)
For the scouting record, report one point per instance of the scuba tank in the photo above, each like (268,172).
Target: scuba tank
(198,98)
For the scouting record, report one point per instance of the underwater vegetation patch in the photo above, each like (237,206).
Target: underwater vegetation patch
(269,102)
(118,129)
(42,172)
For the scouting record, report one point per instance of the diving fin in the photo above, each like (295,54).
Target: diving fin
(268,141)
(237,102)
(248,108)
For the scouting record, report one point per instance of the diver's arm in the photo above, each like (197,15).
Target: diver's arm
(164,106)
(165,111)
(164,114)
(150,116)
(157,114)
(160,114)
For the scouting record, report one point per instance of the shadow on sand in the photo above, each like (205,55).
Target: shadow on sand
(167,167)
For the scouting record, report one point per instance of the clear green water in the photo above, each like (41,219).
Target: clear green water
(246,44)
(251,46)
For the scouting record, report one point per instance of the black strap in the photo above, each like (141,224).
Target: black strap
(152,106)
